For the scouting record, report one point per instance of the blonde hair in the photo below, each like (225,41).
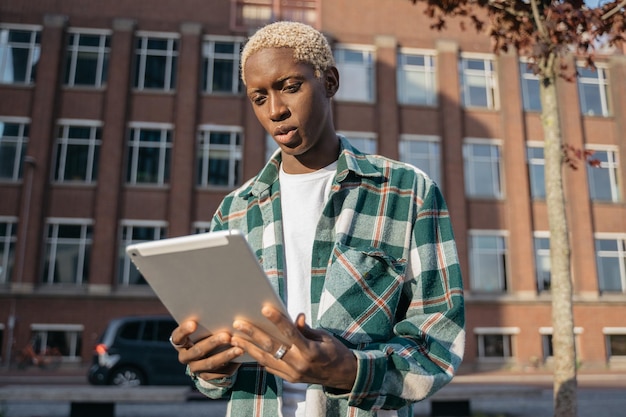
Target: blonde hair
(309,45)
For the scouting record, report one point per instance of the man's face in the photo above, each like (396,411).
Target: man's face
(293,105)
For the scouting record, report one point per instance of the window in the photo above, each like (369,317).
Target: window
(87,59)
(19,54)
(8,237)
(54,339)
(422,152)
(220,66)
(356,67)
(201,227)
(611,260)
(77,151)
(478,83)
(530,88)
(255,13)
(495,343)
(363,141)
(219,156)
(270,146)
(13,141)
(135,232)
(68,251)
(155,62)
(615,339)
(482,169)
(536,171)
(593,88)
(149,152)
(416,79)
(546,341)
(542,260)
(603,179)
(488,253)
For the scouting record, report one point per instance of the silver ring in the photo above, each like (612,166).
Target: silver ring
(175,345)
(280,352)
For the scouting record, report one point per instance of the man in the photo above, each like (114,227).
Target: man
(359,246)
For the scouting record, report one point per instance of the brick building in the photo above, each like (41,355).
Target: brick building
(124,121)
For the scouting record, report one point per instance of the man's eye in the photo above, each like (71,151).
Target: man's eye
(258,100)
(292,88)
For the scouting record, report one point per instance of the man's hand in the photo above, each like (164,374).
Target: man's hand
(313,356)
(208,358)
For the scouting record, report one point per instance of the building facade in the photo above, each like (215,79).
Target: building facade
(125,121)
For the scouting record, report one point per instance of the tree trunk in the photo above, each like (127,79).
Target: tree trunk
(564,350)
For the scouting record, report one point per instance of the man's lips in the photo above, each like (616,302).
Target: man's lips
(284,134)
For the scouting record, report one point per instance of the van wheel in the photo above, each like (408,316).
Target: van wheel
(127,376)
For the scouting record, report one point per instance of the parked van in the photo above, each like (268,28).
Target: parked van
(134,351)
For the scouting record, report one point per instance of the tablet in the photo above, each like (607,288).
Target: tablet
(212,278)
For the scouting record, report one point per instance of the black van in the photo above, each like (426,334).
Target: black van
(134,351)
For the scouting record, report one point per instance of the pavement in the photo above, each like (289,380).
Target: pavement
(600,394)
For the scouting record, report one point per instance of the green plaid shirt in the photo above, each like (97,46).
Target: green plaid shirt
(385,280)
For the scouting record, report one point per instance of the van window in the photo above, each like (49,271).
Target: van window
(130,331)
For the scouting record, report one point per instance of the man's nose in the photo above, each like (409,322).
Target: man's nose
(278,110)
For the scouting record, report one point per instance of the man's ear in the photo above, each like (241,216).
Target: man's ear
(331,81)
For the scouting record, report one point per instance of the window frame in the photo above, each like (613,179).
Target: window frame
(501,252)
(497,190)
(209,56)
(490,76)
(612,168)
(433,159)
(507,334)
(542,254)
(204,148)
(368,66)
(528,79)
(619,254)
(366,142)
(613,331)
(125,265)
(602,82)
(83,244)
(76,337)
(8,243)
(34,52)
(62,142)
(21,145)
(135,147)
(74,50)
(534,164)
(429,69)
(142,52)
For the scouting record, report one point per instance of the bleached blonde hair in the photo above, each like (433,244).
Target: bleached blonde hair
(309,45)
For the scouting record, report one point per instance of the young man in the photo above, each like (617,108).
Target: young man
(359,246)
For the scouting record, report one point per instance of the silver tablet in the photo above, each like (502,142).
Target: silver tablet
(212,278)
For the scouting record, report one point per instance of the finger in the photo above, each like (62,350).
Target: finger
(180,335)
(217,363)
(206,347)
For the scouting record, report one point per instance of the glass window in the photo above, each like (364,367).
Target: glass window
(87,59)
(593,88)
(423,153)
(219,157)
(603,179)
(482,170)
(68,251)
(478,83)
(616,345)
(13,142)
(136,232)
(363,142)
(270,146)
(149,155)
(77,151)
(20,50)
(201,227)
(356,68)
(536,171)
(220,66)
(542,262)
(530,88)
(611,260)
(58,340)
(256,13)
(155,63)
(494,346)
(8,237)
(416,79)
(487,262)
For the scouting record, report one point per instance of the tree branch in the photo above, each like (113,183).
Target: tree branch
(613,11)
(538,19)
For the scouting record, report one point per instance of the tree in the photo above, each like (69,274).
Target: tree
(547,33)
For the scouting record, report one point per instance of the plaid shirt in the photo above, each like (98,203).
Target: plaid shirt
(385,281)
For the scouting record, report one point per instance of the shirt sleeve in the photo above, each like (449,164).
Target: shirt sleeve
(429,339)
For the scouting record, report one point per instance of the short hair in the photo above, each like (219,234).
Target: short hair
(309,45)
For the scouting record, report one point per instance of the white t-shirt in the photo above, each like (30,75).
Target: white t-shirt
(303,197)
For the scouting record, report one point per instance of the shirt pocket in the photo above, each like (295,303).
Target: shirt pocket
(361,293)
